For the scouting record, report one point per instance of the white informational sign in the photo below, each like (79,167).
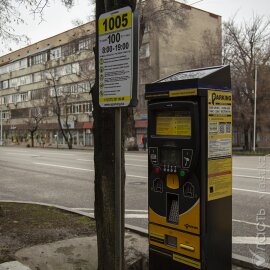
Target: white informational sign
(115,39)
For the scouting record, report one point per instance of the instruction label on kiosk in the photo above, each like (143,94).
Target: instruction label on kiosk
(219,144)
(115,39)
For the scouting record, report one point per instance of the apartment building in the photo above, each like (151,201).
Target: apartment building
(63,67)
(172,47)
(32,77)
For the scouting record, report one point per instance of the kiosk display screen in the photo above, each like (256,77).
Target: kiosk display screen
(170,156)
(175,123)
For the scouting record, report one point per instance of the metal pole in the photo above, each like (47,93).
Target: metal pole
(255,109)
(118,189)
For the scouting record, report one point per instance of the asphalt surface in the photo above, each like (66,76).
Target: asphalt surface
(66,178)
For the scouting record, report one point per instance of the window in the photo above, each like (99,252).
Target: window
(49,74)
(93,41)
(23,97)
(14,66)
(38,111)
(68,49)
(60,71)
(145,51)
(20,113)
(4,69)
(74,89)
(5,115)
(14,98)
(23,63)
(5,84)
(56,91)
(66,89)
(55,53)
(38,76)
(92,64)
(85,44)
(6,99)
(20,64)
(14,82)
(84,87)
(75,68)
(87,65)
(39,58)
(27,79)
(64,70)
(67,69)
(39,93)
(82,107)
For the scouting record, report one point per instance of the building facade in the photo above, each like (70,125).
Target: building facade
(59,71)
(172,47)
(32,77)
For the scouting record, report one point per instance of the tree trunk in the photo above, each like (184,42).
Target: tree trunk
(69,142)
(70,139)
(32,138)
(246,141)
(104,157)
(66,138)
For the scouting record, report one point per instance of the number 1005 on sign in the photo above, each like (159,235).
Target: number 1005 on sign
(115,22)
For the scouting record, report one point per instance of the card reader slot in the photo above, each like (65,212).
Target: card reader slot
(171,241)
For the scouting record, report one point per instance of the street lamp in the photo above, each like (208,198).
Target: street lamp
(255,109)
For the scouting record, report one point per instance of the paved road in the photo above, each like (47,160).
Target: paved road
(65,178)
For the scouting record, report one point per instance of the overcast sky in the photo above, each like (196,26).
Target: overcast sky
(58,19)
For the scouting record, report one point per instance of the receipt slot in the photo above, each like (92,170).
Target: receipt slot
(190,170)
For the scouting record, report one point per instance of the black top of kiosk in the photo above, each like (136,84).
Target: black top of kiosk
(193,82)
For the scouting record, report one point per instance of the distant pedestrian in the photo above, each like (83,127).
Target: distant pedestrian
(144,141)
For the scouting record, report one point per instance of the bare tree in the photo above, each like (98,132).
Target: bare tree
(246,46)
(59,102)
(10,16)
(210,52)
(161,14)
(36,115)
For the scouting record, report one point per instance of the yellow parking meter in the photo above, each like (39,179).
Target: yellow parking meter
(190,170)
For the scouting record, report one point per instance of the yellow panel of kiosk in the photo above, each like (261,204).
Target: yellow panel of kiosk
(188,221)
(185,244)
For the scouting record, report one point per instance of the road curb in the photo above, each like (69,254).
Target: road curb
(237,260)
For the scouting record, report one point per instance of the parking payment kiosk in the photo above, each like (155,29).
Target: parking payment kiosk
(190,170)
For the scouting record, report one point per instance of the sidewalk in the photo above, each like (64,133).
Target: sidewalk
(73,254)
(77,254)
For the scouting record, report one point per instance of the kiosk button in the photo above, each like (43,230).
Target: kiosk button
(187,158)
(182,173)
(186,247)
(157,170)
(172,181)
